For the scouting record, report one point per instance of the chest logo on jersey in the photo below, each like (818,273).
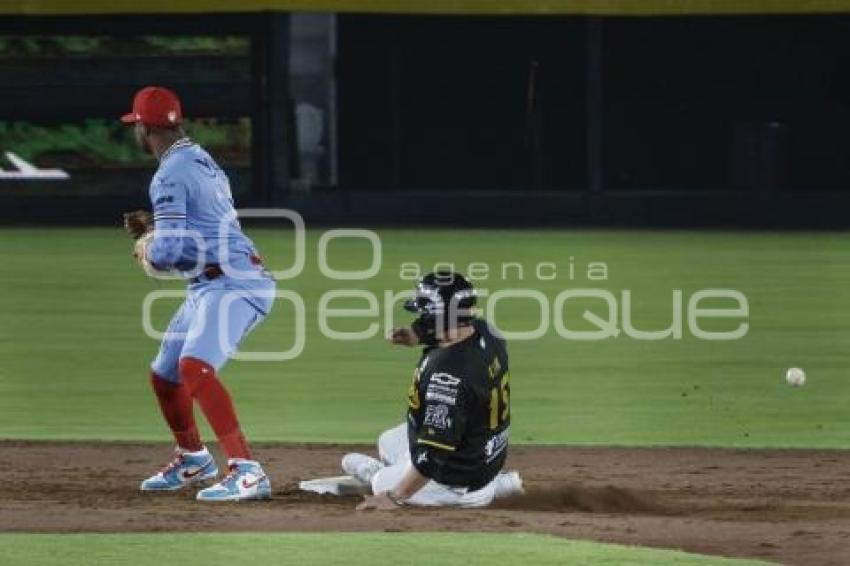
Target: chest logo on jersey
(163,200)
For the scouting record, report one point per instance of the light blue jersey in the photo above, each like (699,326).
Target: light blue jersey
(195,227)
(190,192)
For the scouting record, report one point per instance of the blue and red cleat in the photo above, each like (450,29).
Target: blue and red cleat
(187,468)
(246,480)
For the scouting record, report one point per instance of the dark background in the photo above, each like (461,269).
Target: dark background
(505,121)
(462,104)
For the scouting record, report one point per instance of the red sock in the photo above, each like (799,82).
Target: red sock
(176,405)
(204,386)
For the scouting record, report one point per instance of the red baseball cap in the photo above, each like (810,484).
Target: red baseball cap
(155,106)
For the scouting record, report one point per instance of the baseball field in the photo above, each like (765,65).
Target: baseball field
(633,450)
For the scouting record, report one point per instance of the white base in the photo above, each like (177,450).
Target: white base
(337,485)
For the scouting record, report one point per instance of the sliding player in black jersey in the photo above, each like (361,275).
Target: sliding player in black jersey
(452,448)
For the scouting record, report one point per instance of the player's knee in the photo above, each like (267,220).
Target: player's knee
(193,370)
(160,383)
(389,444)
(382,447)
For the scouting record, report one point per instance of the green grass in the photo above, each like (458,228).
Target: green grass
(344,549)
(73,357)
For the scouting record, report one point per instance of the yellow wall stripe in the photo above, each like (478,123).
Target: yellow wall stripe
(574,7)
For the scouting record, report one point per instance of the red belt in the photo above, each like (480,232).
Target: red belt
(213,270)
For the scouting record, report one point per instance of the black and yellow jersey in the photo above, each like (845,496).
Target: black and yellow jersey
(459,410)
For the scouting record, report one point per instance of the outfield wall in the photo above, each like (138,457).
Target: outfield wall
(461,7)
(569,113)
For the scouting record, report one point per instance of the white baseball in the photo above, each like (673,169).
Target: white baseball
(795,377)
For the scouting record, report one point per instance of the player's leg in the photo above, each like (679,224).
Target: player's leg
(212,338)
(393,447)
(432,494)
(478,498)
(220,324)
(175,403)
(505,484)
(361,466)
(192,462)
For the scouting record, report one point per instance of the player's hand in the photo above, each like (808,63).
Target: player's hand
(379,502)
(403,336)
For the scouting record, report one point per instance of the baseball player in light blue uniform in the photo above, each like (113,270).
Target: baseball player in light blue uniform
(190,193)
(196,232)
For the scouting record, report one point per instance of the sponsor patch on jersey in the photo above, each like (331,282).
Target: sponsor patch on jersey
(445,379)
(496,445)
(437,416)
(441,398)
(163,200)
(442,387)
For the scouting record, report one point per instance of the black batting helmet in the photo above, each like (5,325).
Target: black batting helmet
(443,300)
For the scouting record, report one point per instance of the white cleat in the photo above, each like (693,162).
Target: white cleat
(507,484)
(246,480)
(361,466)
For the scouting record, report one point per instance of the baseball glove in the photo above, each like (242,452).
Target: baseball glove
(138,223)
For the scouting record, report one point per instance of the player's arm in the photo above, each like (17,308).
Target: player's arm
(406,488)
(440,433)
(169,215)
(403,336)
(439,436)
(412,335)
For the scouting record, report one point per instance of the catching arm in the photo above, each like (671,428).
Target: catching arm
(169,216)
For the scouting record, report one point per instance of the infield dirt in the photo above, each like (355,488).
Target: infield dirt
(787,505)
